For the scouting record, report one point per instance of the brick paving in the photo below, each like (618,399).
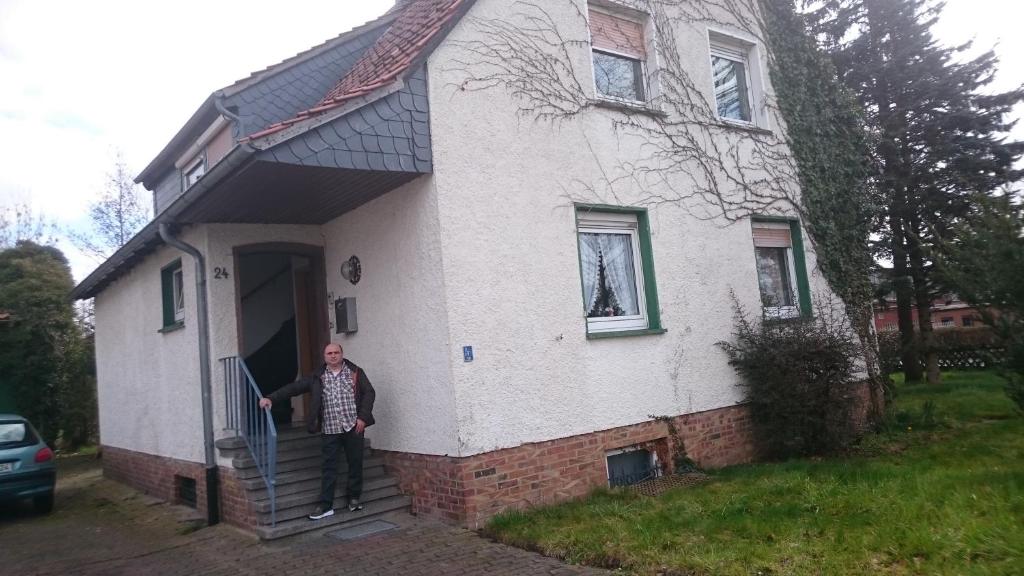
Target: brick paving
(103,527)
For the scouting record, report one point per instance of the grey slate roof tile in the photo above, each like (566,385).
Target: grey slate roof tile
(381,135)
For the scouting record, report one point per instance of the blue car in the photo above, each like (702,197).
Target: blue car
(27,467)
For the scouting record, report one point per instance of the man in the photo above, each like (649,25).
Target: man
(342,407)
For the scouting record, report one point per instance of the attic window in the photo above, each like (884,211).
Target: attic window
(194,172)
(620,55)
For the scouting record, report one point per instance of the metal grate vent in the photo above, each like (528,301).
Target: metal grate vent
(185,490)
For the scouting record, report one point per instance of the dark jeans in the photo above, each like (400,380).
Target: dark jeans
(352,443)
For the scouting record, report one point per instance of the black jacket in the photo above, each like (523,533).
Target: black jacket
(314,383)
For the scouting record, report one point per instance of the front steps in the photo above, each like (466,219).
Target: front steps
(298,485)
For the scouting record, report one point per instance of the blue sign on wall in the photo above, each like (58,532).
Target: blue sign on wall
(467,353)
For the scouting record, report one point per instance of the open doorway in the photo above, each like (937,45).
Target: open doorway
(281,318)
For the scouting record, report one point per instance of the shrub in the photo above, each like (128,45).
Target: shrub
(797,376)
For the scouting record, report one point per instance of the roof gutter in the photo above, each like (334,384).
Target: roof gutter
(239,156)
(203,322)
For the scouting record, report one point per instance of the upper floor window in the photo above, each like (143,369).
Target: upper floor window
(732,72)
(620,55)
(194,172)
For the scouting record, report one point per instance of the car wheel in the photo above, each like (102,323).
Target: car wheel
(44,503)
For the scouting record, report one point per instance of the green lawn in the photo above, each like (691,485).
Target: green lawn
(937,495)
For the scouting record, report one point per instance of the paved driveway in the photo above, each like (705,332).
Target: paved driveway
(102,527)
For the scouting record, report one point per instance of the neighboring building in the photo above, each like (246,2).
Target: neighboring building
(516,331)
(947,312)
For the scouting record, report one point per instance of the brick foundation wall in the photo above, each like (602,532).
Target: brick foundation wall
(470,490)
(235,508)
(155,475)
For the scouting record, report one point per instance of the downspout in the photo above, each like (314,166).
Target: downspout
(218,103)
(203,323)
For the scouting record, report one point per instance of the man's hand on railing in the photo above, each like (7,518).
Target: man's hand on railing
(265,403)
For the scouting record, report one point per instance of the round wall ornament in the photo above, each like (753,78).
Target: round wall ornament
(352,270)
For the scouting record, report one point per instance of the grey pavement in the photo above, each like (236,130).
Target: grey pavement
(103,527)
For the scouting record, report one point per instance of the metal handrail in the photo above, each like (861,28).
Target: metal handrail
(242,395)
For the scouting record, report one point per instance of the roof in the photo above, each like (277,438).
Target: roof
(207,111)
(414,29)
(418,23)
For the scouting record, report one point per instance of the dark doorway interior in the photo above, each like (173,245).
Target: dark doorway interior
(274,292)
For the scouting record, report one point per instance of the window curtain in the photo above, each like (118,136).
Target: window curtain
(617,250)
(589,252)
(619,272)
(773,277)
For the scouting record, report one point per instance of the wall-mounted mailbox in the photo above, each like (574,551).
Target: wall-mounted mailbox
(345,316)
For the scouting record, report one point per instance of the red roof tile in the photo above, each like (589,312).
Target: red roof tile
(418,22)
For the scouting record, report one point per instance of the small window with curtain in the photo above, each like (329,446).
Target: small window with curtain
(619,54)
(611,265)
(777,275)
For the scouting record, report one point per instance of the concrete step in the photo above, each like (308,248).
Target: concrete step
(300,507)
(305,479)
(287,456)
(309,497)
(293,465)
(236,449)
(340,518)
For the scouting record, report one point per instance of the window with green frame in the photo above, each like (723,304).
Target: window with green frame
(172,286)
(617,271)
(781,268)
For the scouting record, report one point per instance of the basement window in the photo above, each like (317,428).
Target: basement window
(185,491)
(631,466)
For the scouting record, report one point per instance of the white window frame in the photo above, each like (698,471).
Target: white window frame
(178,294)
(617,223)
(721,45)
(643,73)
(194,172)
(649,48)
(779,312)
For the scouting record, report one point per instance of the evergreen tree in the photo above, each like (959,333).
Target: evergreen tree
(43,358)
(985,262)
(937,139)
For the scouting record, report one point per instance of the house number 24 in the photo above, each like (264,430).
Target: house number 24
(220,273)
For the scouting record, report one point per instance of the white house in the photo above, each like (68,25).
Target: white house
(533,283)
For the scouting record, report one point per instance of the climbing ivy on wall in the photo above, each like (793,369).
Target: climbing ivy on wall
(826,137)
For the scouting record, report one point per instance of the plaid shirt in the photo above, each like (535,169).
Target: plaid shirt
(339,401)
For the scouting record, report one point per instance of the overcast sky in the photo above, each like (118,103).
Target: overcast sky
(81,81)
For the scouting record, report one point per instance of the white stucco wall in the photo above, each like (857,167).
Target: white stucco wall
(505,187)
(402,341)
(148,382)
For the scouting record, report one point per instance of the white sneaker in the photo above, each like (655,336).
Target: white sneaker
(321,512)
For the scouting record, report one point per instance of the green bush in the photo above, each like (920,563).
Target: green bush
(797,376)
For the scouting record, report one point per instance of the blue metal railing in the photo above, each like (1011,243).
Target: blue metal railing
(253,424)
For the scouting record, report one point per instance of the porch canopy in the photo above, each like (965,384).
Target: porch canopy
(305,173)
